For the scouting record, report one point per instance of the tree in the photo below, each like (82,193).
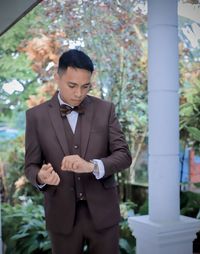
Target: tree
(15,65)
(115,40)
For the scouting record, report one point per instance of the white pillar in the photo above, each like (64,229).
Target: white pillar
(163,106)
(164,231)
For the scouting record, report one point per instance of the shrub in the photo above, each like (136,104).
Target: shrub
(24,229)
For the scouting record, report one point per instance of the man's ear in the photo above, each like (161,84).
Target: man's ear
(56,77)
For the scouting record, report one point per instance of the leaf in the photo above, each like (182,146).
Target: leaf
(19,236)
(124,245)
(194,132)
(186,110)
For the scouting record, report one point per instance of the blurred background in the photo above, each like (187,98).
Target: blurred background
(114,34)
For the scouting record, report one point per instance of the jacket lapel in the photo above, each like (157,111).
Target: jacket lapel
(57,122)
(86,124)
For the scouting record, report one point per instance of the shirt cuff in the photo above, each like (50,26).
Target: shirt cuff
(40,186)
(101,173)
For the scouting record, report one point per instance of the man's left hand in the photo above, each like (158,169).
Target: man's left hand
(76,164)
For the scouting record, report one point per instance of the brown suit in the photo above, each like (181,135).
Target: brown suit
(101,138)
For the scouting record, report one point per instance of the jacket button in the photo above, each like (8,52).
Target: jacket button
(75,147)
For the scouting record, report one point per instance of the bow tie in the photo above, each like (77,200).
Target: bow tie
(65,109)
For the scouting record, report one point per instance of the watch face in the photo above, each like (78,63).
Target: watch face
(96,168)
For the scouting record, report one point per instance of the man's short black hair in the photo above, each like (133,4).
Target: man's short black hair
(76,59)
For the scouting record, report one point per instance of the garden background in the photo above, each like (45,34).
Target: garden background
(114,34)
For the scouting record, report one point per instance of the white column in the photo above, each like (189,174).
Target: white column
(163,106)
(164,231)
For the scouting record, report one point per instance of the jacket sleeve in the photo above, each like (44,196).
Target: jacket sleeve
(33,153)
(120,156)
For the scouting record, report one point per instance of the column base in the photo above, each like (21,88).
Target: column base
(166,238)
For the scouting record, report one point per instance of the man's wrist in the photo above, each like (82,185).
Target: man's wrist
(95,167)
(39,181)
(90,166)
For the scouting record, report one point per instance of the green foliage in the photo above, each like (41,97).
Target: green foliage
(143,210)
(24,229)
(190,114)
(12,155)
(15,184)
(125,247)
(116,41)
(194,133)
(14,64)
(28,233)
(118,47)
(11,40)
(190,204)
(127,241)
(17,67)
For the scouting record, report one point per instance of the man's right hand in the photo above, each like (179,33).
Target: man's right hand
(47,175)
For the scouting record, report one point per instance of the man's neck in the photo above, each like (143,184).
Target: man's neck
(61,100)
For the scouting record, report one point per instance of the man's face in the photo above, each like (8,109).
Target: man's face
(74,84)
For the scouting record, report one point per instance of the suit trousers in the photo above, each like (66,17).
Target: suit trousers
(105,241)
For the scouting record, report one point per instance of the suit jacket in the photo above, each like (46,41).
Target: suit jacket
(101,138)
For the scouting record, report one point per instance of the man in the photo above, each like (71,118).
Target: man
(74,145)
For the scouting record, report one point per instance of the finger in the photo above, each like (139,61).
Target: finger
(64,164)
(71,166)
(47,167)
(45,174)
(54,179)
(51,178)
(57,180)
(42,174)
(49,172)
(67,164)
(65,160)
(75,165)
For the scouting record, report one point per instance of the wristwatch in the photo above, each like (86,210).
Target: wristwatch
(96,167)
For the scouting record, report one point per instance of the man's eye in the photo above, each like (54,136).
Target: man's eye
(86,86)
(71,86)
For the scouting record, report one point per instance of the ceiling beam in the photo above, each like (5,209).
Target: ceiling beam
(12,11)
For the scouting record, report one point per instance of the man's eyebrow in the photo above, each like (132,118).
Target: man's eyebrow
(73,83)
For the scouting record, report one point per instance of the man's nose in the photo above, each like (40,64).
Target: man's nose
(78,92)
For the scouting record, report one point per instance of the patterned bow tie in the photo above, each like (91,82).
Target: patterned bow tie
(65,109)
